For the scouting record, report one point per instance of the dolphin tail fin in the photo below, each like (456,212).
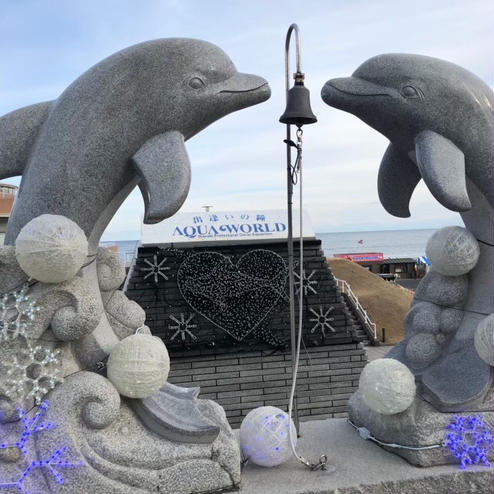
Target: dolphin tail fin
(164,168)
(396,171)
(18,132)
(442,166)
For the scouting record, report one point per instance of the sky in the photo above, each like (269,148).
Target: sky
(238,163)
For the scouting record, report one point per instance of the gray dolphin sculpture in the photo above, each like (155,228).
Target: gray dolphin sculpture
(440,120)
(122,123)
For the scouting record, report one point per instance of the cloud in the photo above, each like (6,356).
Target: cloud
(239,162)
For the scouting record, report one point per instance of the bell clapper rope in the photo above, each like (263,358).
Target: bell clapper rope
(296,176)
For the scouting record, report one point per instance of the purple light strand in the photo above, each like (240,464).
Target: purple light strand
(470,440)
(54,461)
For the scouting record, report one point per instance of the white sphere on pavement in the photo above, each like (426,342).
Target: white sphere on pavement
(264,438)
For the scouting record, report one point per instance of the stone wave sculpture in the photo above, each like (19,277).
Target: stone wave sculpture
(439,119)
(122,123)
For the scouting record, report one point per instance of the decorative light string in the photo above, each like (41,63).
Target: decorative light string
(467,438)
(365,434)
(51,463)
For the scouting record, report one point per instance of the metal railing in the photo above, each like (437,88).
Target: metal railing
(130,261)
(369,326)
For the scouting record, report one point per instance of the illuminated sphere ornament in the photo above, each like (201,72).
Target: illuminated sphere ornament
(484,340)
(138,365)
(51,248)
(264,438)
(387,386)
(453,251)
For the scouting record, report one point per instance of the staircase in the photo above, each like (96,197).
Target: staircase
(364,327)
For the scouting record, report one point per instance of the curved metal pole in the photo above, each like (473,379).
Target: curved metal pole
(291,283)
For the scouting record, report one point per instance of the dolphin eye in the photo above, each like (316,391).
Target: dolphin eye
(196,83)
(410,92)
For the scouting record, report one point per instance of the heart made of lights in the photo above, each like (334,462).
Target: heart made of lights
(234,297)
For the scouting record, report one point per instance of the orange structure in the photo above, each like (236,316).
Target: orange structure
(7,197)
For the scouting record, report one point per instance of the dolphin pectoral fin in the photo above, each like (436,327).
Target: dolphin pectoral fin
(18,132)
(164,168)
(396,173)
(442,166)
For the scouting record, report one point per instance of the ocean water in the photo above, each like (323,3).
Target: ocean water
(392,243)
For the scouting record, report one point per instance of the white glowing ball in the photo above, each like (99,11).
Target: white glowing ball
(484,340)
(453,251)
(138,365)
(51,248)
(387,386)
(264,438)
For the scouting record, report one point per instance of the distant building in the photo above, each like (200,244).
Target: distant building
(391,268)
(7,196)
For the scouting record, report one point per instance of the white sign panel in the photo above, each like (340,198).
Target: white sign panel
(224,226)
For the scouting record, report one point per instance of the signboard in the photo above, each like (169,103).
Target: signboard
(224,226)
(362,257)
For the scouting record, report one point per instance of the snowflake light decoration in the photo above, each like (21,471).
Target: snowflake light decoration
(322,320)
(17,311)
(50,464)
(469,440)
(304,284)
(32,372)
(183,327)
(156,269)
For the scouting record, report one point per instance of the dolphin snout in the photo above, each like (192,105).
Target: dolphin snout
(342,88)
(248,84)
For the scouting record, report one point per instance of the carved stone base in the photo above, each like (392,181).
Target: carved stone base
(119,455)
(419,425)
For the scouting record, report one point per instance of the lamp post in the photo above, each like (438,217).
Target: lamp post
(298,112)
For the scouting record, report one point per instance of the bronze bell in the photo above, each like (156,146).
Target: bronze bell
(298,111)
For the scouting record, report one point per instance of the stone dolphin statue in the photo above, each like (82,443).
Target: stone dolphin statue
(440,120)
(121,123)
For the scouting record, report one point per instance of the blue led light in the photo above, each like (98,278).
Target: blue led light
(30,427)
(469,440)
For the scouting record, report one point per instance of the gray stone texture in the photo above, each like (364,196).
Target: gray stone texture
(80,162)
(455,158)
(445,291)
(172,413)
(360,467)
(120,455)
(12,276)
(400,429)
(111,270)
(124,315)
(122,123)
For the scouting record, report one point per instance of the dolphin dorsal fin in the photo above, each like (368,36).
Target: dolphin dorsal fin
(164,168)
(442,166)
(397,171)
(18,132)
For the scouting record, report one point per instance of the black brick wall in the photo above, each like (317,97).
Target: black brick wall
(163,299)
(242,375)
(327,377)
